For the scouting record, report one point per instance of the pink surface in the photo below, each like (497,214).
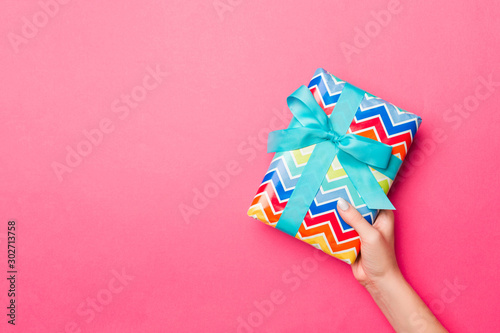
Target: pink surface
(110,230)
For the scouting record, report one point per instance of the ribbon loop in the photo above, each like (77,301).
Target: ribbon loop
(307,111)
(355,153)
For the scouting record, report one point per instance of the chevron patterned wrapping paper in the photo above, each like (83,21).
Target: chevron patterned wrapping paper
(322,227)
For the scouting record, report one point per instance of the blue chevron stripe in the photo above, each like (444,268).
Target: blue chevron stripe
(279,168)
(332,206)
(329,186)
(391,129)
(280,190)
(327,98)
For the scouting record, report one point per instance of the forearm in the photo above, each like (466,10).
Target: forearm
(401,305)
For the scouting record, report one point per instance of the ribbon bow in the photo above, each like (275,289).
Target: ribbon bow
(355,153)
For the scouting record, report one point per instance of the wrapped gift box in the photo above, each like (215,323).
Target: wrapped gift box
(322,227)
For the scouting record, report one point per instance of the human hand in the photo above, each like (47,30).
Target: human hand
(377,270)
(377,260)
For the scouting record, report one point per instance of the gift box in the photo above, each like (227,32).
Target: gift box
(341,143)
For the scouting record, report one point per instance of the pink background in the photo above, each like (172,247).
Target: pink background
(228,77)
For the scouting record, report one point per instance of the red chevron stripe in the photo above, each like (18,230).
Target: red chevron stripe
(377,123)
(269,188)
(317,97)
(330,217)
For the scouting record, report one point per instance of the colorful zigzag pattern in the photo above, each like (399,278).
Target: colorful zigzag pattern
(322,227)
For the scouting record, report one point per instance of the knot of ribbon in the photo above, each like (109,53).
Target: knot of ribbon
(311,126)
(333,137)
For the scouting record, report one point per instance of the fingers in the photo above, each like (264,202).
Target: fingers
(352,217)
(385,224)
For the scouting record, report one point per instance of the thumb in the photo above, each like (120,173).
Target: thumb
(385,224)
(352,217)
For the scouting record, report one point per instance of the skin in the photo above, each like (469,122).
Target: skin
(377,270)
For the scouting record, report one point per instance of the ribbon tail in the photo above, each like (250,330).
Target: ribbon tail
(307,187)
(368,151)
(392,168)
(364,182)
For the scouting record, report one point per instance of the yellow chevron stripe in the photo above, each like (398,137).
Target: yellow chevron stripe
(384,181)
(349,255)
(335,171)
(385,186)
(317,240)
(321,242)
(257,212)
(301,158)
(334,174)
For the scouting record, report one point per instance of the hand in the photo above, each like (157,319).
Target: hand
(377,260)
(377,270)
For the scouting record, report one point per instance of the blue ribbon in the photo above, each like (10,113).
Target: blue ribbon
(355,153)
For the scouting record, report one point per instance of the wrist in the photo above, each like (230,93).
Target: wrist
(385,282)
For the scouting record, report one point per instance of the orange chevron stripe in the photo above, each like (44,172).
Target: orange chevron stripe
(399,149)
(368,133)
(262,199)
(396,149)
(329,236)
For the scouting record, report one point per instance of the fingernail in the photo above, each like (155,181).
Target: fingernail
(342,204)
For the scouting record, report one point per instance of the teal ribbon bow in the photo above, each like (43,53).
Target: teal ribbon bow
(355,153)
